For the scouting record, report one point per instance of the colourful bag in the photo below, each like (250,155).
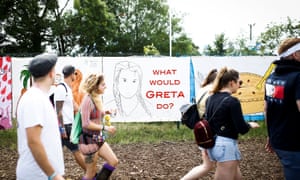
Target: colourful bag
(76,129)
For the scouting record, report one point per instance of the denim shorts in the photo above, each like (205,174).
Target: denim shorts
(225,149)
(66,141)
(290,161)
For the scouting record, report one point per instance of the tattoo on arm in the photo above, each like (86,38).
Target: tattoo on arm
(59,106)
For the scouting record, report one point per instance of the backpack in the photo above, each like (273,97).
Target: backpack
(203,133)
(51,97)
(189,113)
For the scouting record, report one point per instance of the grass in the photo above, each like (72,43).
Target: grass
(8,138)
(154,132)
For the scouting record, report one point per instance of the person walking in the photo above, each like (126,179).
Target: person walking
(282,108)
(92,141)
(227,123)
(202,95)
(65,107)
(39,143)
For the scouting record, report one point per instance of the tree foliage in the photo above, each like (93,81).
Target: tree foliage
(93,27)
(119,27)
(277,32)
(219,46)
(30,23)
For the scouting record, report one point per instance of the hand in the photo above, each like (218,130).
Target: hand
(58,177)
(110,129)
(254,125)
(64,135)
(268,146)
(63,132)
(112,112)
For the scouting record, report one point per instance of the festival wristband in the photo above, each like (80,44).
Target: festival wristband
(62,130)
(52,176)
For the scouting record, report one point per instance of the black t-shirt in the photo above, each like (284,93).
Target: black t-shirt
(228,120)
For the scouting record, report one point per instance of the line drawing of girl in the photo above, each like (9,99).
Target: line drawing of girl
(127,86)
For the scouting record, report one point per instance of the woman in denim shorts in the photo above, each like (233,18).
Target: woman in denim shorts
(227,123)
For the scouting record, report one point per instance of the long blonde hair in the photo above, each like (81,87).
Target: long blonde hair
(90,86)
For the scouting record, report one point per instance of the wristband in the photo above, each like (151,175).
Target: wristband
(62,130)
(52,176)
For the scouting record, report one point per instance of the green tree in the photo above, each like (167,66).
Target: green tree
(29,22)
(184,46)
(145,22)
(92,26)
(95,27)
(241,47)
(150,50)
(275,33)
(219,46)
(140,23)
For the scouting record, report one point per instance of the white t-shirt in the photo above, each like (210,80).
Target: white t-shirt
(60,94)
(35,109)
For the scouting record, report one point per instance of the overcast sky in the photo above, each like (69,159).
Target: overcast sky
(204,19)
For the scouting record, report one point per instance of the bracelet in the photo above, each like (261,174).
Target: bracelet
(62,130)
(52,176)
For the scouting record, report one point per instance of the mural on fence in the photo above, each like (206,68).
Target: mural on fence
(129,101)
(146,89)
(143,91)
(5,93)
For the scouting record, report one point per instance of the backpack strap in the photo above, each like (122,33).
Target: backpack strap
(202,96)
(217,108)
(64,86)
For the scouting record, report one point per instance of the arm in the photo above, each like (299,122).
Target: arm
(237,116)
(59,106)
(75,106)
(297,95)
(298,105)
(268,146)
(38,151)
(86,108)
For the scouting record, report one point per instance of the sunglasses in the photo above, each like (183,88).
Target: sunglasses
(240,82)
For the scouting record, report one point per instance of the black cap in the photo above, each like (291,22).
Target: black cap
(68,70)
(42,64)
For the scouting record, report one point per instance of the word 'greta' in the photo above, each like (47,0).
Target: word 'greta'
(164,94)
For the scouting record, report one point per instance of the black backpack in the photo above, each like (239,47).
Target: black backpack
(51,97)
(189,113)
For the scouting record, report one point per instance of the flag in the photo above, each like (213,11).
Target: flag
(192,82)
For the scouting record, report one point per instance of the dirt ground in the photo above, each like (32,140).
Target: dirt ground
(167,160)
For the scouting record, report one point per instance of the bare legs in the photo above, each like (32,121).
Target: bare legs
(79,158)
(201,170)
(228,170)
(91,160)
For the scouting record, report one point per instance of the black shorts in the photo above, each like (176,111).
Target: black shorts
(66,141)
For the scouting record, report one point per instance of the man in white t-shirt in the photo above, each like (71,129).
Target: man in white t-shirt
(65,107)
(40,153)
